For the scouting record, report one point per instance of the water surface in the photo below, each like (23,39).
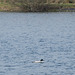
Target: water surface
(26,37)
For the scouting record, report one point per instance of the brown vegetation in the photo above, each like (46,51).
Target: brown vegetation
(36,5)
(38,1)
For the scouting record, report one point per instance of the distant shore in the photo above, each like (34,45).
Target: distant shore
(69,7)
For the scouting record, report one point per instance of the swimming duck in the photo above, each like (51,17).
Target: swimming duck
(40,61)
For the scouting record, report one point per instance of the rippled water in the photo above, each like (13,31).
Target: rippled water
(26,37)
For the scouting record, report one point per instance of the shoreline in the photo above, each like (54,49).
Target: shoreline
(69,7)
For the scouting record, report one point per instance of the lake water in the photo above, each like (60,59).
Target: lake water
(26,37)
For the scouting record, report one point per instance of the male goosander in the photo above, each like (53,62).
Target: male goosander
(41,61)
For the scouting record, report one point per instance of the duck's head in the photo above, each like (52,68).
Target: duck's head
(41,60)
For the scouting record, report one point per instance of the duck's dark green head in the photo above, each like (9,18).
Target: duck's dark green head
(41,60)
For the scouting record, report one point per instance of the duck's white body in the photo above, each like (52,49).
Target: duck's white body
(41,61)
(38,61)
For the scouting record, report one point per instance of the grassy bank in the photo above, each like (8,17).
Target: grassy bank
(9,7)
(18,7)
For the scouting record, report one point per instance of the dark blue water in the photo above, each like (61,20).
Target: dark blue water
(26,37)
